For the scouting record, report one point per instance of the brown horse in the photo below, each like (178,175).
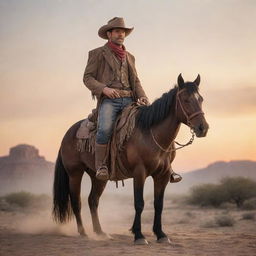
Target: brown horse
(149,152)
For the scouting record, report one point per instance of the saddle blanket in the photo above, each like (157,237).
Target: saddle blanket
(123,129)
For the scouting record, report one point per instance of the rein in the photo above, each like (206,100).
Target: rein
(181,145)
(188,117)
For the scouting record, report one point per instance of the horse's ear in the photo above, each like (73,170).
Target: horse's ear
(197,81)
(180,80)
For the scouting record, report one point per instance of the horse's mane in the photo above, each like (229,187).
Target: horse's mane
(160,108)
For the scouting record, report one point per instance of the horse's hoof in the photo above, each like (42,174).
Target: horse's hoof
(108,236)
(83,234)
(164,240)
(140,241)
(81,231)
(105,236)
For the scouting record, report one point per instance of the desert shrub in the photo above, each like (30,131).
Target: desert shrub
(183,221)
(227,206)
(209,224)
(248,216)
(233,190)
(190,215)
(21,199)
(207,195)
(249,204)
(238,189)
(4,206)
(25,199)
(225,221)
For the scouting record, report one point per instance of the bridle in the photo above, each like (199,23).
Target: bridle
(188,117)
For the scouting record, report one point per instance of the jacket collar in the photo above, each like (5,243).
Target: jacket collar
(107,53)
(108,56)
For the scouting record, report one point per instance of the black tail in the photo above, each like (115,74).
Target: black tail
(62,211)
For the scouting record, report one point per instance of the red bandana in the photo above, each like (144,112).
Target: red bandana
(120,52)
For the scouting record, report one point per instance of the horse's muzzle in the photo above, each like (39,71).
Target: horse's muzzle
(201,130)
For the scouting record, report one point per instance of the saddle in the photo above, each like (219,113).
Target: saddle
(123,129)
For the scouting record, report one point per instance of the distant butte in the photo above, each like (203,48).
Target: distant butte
(25,169)
(25,152)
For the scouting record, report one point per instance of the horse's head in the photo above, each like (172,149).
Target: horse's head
(189,106)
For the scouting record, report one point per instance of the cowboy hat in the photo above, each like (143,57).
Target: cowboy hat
(116,22)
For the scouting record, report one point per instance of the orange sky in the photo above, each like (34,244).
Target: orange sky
(44,47)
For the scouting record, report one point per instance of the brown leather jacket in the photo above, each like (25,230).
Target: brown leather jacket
(99,72)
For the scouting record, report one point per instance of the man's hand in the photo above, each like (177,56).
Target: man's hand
(143,101)
(110,93)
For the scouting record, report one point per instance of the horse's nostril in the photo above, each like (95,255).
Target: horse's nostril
(201,127)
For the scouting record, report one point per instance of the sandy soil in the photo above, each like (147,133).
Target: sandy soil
(190,229)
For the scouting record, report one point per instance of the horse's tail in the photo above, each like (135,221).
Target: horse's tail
(62,211)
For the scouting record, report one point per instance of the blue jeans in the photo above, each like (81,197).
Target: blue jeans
(108,112)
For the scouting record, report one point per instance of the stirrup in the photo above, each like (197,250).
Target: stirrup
(175,177)
(102,173)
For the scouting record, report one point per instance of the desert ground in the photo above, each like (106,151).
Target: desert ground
(191,229)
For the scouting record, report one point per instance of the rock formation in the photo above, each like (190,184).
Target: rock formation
(25,169)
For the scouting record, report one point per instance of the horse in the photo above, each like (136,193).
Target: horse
(148,152)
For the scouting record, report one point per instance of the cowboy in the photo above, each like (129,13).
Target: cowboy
(111,76)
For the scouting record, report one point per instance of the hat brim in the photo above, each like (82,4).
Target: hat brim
(103,31)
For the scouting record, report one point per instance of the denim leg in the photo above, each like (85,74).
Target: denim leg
(126,101)
(108,112)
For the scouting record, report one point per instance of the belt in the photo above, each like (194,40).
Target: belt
(124,93)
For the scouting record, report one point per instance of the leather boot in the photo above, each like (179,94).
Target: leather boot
(175,177)
(100,166)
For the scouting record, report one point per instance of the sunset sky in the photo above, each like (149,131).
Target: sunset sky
(44,50)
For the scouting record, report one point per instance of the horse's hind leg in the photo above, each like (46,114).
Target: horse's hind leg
(97,189)
(75,188)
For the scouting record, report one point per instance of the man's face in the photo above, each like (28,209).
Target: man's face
(116,36)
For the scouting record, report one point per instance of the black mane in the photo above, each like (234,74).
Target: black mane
(156,112)
(160,108)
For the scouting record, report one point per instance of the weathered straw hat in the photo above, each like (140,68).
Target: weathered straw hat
(116,22)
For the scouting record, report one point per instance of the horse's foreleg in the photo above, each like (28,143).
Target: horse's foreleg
(159,188)
(97,189)
(138,183)
(75,188)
